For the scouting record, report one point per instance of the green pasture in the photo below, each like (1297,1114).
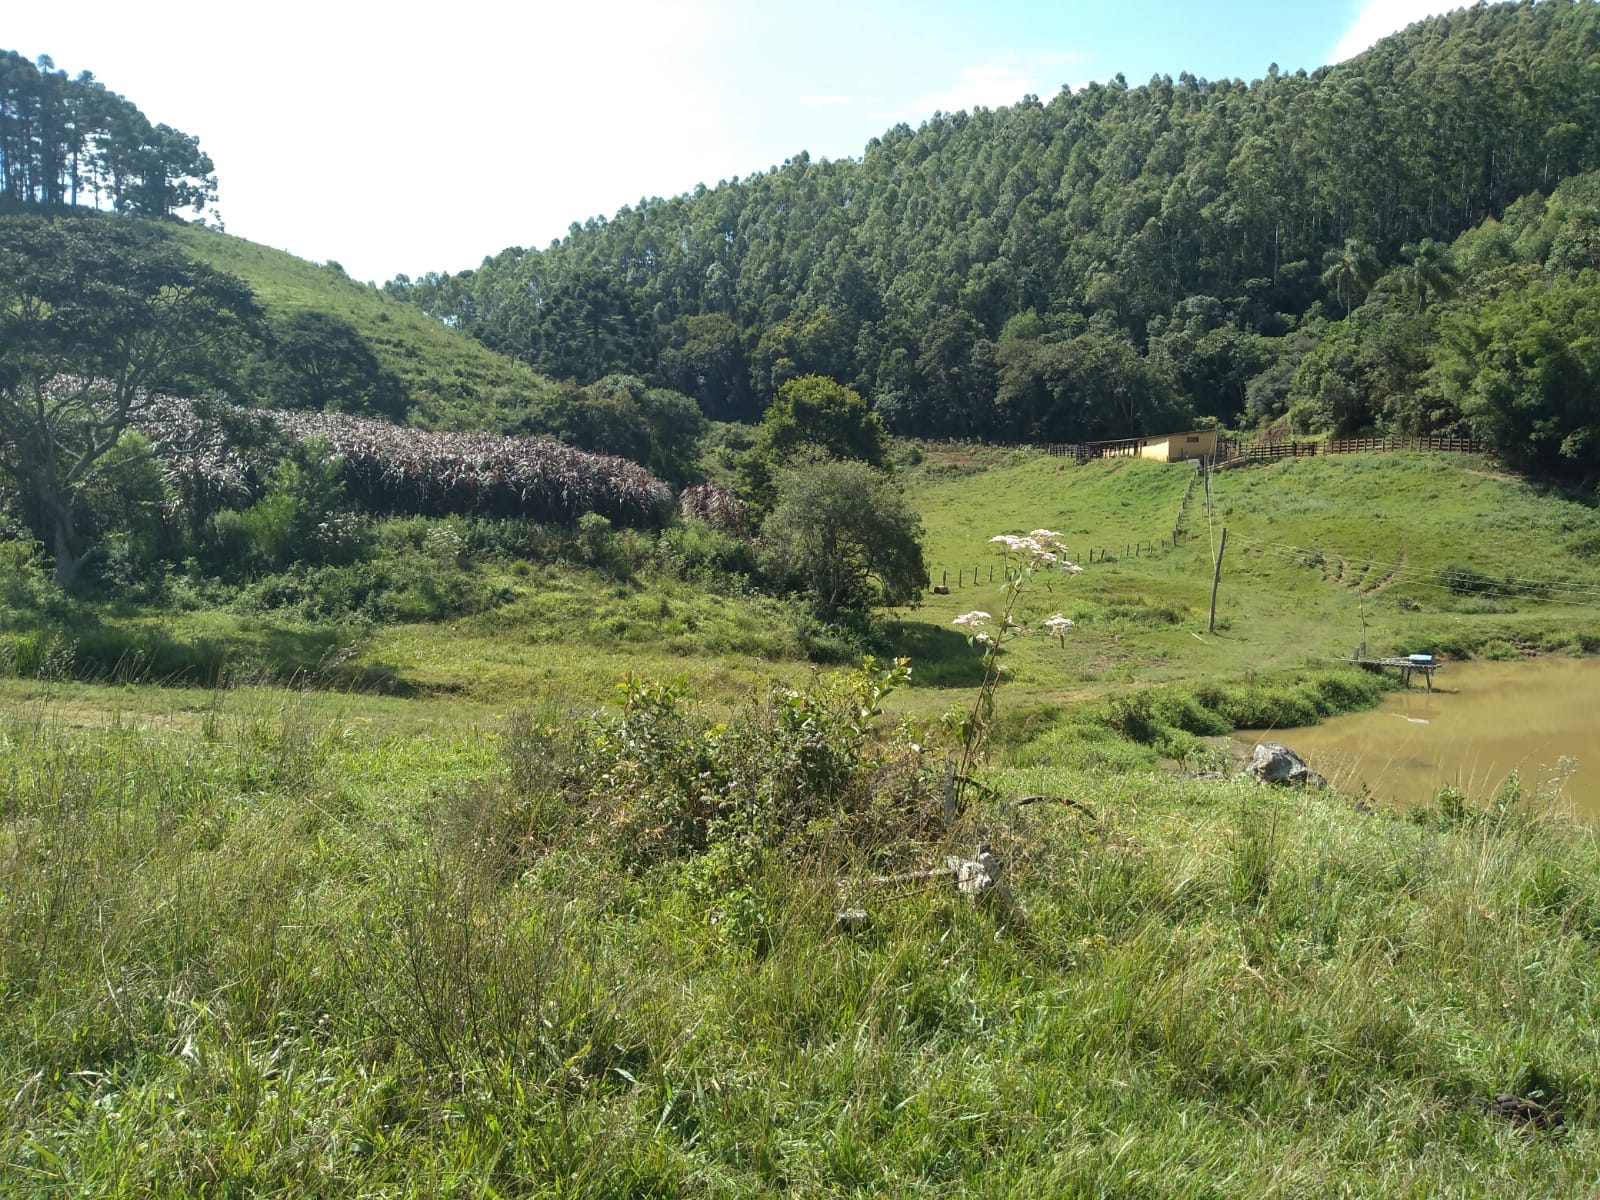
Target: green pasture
(1436,552)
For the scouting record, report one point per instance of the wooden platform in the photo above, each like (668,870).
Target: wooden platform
(1404,665)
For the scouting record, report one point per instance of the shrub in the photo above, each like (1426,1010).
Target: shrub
(1465,581)
(662,779)
(694,549)
(24,579)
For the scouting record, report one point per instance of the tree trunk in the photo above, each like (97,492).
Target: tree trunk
(68,561)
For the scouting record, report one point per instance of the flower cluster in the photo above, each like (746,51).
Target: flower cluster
(1024,556)
(1057,627)
(1040,548)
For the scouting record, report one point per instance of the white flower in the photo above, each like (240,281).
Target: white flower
(1045,535)
(983,639)
(972,619)
(1058,624)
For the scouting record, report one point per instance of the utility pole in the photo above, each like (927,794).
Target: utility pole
(1216,578)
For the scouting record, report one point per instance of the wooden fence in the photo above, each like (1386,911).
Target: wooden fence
(945,579)
(1234,452)
(1380,445)
(1230,453)
(1274,449)
(1084,451)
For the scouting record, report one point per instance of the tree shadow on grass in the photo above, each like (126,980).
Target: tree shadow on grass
(939,657)
(323,658)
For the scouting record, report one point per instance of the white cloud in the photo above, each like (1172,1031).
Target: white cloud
(1379,18)
(832,100)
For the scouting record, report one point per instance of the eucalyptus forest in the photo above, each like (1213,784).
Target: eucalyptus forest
(1123,259)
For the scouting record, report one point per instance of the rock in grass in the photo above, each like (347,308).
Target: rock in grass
(1276,763)
(975,876)
(1522,1111)
(852,920)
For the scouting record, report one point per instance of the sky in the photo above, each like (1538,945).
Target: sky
(404,137)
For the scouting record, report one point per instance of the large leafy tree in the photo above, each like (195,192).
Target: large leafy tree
(814,415)
(843,534)
(97,318)
(621,415)
(1524,369)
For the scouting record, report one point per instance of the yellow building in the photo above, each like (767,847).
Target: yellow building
(1179,447)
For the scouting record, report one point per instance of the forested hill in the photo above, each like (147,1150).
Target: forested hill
(1112,259)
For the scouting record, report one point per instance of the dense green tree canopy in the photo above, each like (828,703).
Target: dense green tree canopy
(1108,213)
(813,416)
(1494,335)
(317,360)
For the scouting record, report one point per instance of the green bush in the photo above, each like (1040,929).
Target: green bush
(1171,718)
(301,518)
(694,550)
(664,779)
(25,584)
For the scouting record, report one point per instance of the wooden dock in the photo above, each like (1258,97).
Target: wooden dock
(1405,666)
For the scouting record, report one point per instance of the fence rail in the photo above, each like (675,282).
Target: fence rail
(943,580)
(1229,453)
(1379,445)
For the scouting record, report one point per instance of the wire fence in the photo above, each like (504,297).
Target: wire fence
(948,578)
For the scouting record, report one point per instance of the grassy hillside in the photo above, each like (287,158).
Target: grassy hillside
(1439,552)
(455,381)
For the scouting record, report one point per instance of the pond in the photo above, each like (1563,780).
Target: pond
(1540,718)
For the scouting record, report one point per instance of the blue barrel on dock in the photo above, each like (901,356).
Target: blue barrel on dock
(1421,660)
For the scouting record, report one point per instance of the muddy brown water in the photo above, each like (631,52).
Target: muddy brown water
(1540,718)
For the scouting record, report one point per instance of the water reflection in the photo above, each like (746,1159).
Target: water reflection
(1483,721)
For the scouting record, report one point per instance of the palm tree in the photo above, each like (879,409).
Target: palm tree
(1349,272)
(1430,268)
